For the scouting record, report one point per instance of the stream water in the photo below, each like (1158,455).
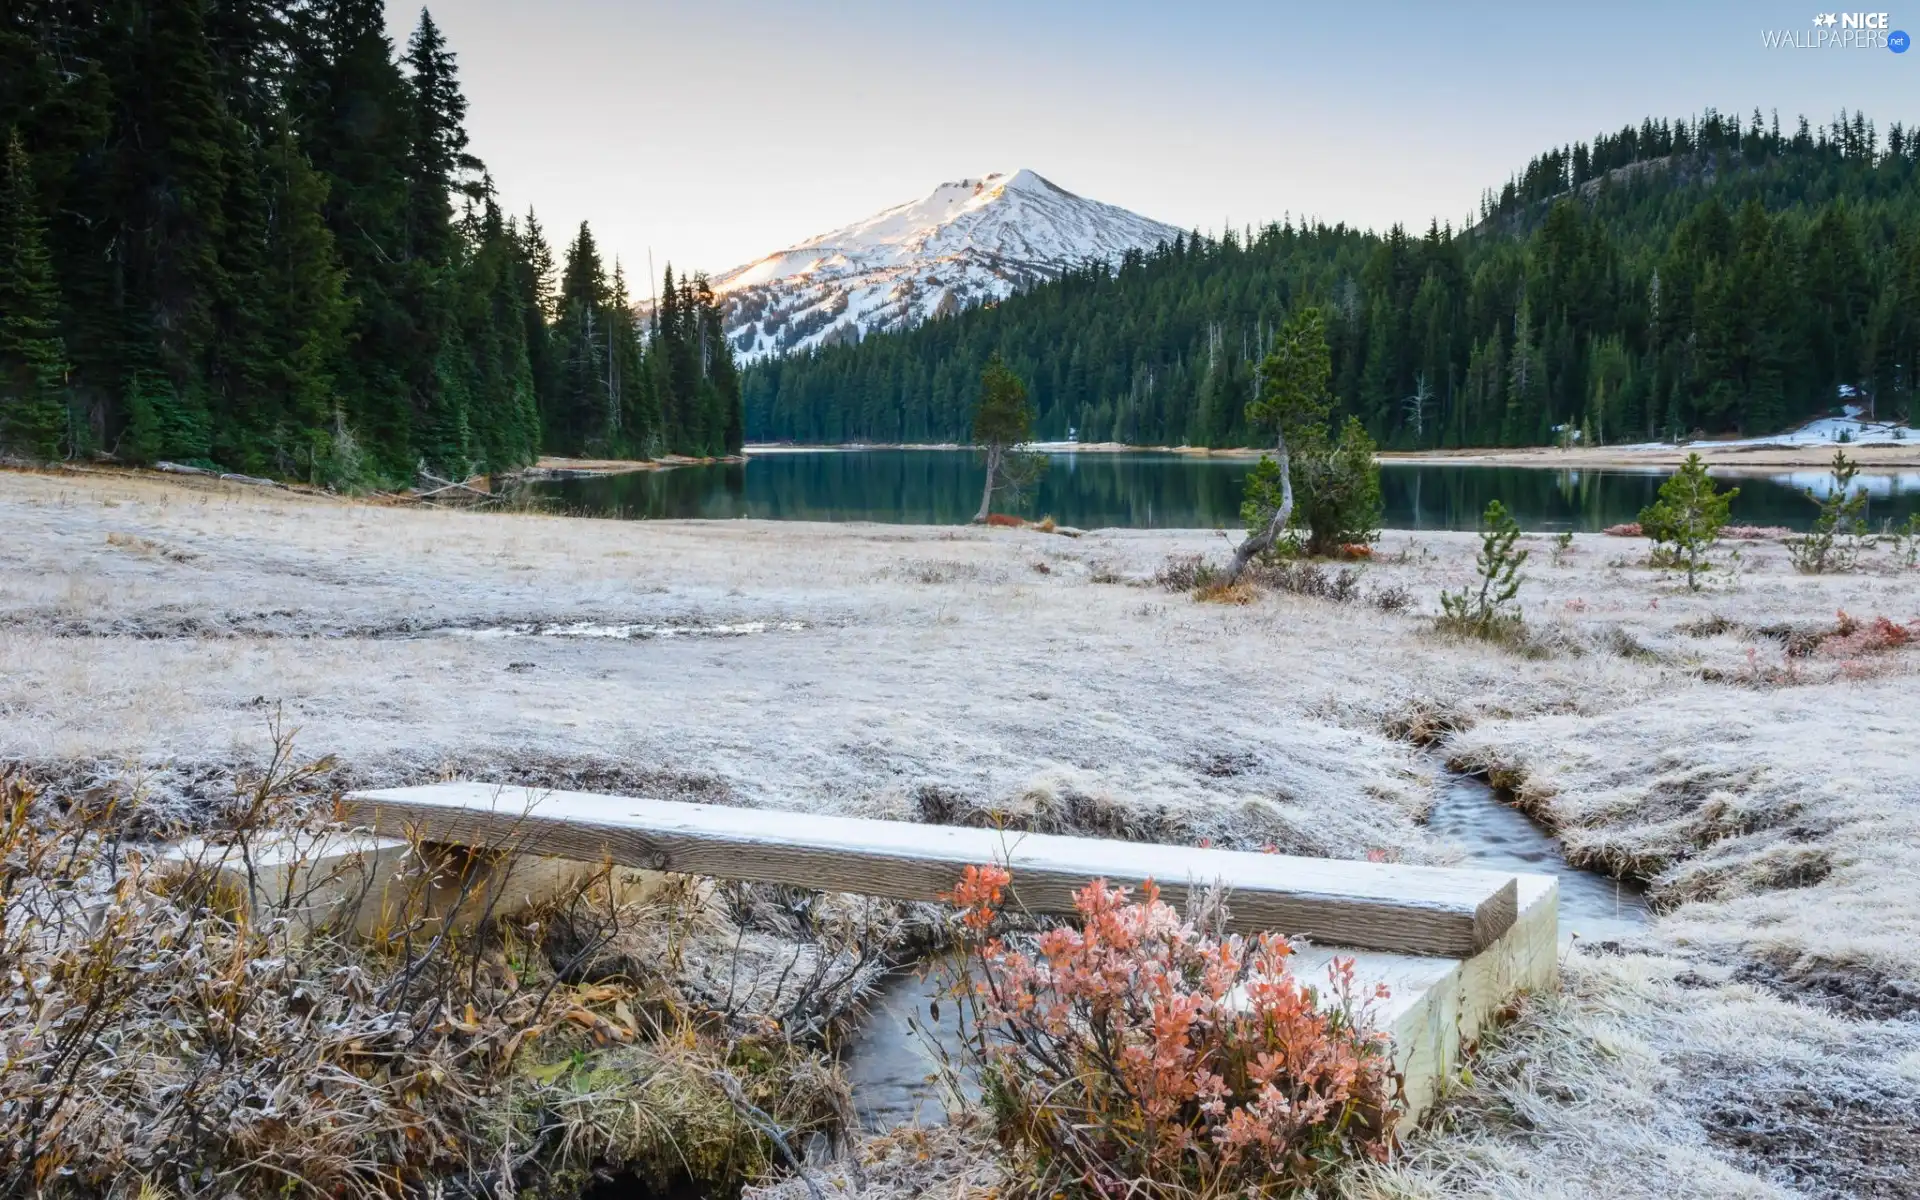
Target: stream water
(890,1061)
(1470,814)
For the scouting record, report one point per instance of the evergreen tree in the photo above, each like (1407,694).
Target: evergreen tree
(306,316)
(1002,422)
(173,164)
(1685,522)
(630,389)
(33,414)
(534,275)
(353,116)
(245,218)
(438,162)
(582,418)
(1526,381)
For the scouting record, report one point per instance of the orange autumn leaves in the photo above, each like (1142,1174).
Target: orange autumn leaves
(1140,1055)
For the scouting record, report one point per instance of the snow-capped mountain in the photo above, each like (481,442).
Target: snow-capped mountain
(968,242)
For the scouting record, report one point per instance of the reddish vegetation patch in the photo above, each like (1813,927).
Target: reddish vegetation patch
(1851,638)
(1142,1055)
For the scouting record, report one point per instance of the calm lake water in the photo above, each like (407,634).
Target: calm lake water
(1160,491)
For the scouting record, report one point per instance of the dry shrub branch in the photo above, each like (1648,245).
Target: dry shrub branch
(161,1035)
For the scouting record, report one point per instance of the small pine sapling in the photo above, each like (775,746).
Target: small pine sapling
(1562,547)
(1833,544)
(1484,612)
(1906,543)
(1686,520)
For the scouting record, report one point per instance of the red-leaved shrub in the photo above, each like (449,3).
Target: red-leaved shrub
(1140,1056)
(1852,638)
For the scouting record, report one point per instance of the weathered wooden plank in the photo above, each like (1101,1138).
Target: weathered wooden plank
(379,885)
(1376,906)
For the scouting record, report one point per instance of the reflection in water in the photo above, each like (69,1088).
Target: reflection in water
(1159,491)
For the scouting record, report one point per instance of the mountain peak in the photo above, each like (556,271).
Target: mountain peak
(966,242)
(1026,180)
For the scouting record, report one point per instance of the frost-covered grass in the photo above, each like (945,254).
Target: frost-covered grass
(1762,773)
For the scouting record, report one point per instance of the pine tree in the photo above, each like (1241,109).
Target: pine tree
(437,166)
(1526,380)
(306,314)
(174,164)
(1002,421)
(632,385)
(438,162)
(723,420)
(1687,517)
(353,116)
(577,418)
(33,414)
(534,269)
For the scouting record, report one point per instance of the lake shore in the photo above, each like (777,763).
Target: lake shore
(551,466)
(1734,749)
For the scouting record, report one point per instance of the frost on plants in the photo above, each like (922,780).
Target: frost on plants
(1140,1055)
(1685,522)
(1485,612)
(1833,544)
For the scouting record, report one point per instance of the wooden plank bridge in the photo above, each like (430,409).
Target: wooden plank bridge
(1373,906)
(1454,946)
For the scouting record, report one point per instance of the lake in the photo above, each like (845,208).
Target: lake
(1158,490)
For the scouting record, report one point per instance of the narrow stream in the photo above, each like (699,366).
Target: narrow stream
(889,1064)
(1469,813)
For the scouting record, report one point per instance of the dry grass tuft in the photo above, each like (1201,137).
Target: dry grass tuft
(1243,592)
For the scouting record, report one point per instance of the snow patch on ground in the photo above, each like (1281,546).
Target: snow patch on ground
(1841,431)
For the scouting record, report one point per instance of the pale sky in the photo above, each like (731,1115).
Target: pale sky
(716,131)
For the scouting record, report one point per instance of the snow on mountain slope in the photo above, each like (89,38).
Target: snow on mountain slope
(966,243)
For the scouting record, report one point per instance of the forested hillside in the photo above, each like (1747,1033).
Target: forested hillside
(1702,274)
(248,233)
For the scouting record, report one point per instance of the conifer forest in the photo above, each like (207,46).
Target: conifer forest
(252,235)
(1710,274)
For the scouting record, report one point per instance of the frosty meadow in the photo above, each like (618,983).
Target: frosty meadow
(1736,749)
(1355,639)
